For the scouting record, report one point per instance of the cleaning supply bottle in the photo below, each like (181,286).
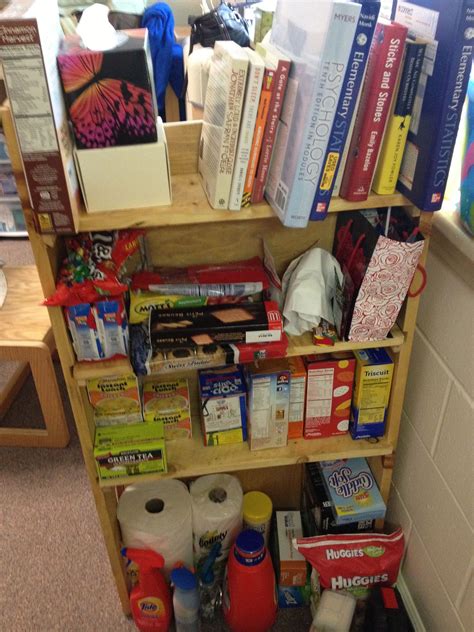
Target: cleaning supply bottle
(185,600)
(150,599)
(209,588)
(249,599)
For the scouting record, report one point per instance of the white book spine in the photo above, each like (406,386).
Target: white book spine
(293,204)
(252,96)
(222,114)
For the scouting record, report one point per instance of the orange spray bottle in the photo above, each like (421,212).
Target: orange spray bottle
(150,599)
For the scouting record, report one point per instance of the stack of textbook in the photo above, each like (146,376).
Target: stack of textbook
(338,102)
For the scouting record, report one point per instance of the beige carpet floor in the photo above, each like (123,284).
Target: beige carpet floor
(55,575)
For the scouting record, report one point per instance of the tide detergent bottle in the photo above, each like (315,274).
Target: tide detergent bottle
(249,599)
(150,599)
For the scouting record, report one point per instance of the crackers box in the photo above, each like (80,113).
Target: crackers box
(328,394)
(223,405)
(373,381)
(297,397)
(268,404)
(129,450)
(167,402)
(353,490)
(291,565)
(115,400)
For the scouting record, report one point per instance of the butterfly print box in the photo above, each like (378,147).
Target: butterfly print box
(109,94)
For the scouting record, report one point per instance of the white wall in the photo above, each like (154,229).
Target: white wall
(432,495)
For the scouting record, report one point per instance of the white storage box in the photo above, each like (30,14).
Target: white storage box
(125,177)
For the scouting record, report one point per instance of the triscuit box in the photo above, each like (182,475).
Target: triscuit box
(130,450)
(115,400)
(167,402)
(268,404)
(223,405)
(328,394)
(30,37)
(353,490)
(373,381)
(297,397)
(291,569)
(137,176)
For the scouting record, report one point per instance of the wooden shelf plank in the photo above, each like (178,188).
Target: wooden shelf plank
(190,206)
(189,457)
(298,345)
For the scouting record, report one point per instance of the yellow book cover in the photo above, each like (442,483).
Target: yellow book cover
(396,132)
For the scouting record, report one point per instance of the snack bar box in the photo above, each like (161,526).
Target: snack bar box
(353,490)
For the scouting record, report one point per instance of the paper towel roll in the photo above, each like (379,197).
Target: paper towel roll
(158,516)
(217,513)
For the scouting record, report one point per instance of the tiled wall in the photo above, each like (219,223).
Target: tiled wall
(432,495)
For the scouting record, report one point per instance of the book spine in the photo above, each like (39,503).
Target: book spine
(346,108)
(456,88)
(386,56)
(276,104)
(247,127)
(293,204)
(262,115)
(396,134)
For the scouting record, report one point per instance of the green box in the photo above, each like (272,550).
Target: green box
(129,450)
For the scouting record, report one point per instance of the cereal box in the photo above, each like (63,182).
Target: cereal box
(115,400)
(297,397)
(353,490)
(373,381)
(269,403)
(328,394)
(223,405)
(129,450)
(167,402)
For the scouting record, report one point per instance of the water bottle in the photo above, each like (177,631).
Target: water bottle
(185,600)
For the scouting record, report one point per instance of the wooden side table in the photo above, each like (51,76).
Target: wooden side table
(26,337)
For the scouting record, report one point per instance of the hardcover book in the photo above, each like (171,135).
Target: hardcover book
(281,63)
(292,187)
(382,72)
(440,96)
(222,113)
(346,108)
(393,146)
(247,126)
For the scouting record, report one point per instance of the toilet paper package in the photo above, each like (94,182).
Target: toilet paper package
(217,502)
(158,516)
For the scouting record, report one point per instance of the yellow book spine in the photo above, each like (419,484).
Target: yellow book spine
(390,159)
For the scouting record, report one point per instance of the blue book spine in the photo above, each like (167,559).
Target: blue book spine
(346,107)
(428,153)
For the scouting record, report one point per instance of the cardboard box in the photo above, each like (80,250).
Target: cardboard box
(317,506)
(30,37)
(328,394)
(373,381)
(167,402)
(223,405)
(118,83)
(269,403)
(291,565)
(129,450)
(353,491)
(129,176)
(115,400)
(297,397)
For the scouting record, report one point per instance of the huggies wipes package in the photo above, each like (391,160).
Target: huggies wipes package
(353,562)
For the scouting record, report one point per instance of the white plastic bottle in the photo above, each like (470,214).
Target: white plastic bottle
(185,600)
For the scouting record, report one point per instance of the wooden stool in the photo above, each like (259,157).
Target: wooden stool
(26,337)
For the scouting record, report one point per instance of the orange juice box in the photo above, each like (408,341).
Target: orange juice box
(297,397)
(167,401)
(328,394)
(115,400)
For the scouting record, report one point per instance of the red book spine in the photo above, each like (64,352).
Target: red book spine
(385,57)
(276,104)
